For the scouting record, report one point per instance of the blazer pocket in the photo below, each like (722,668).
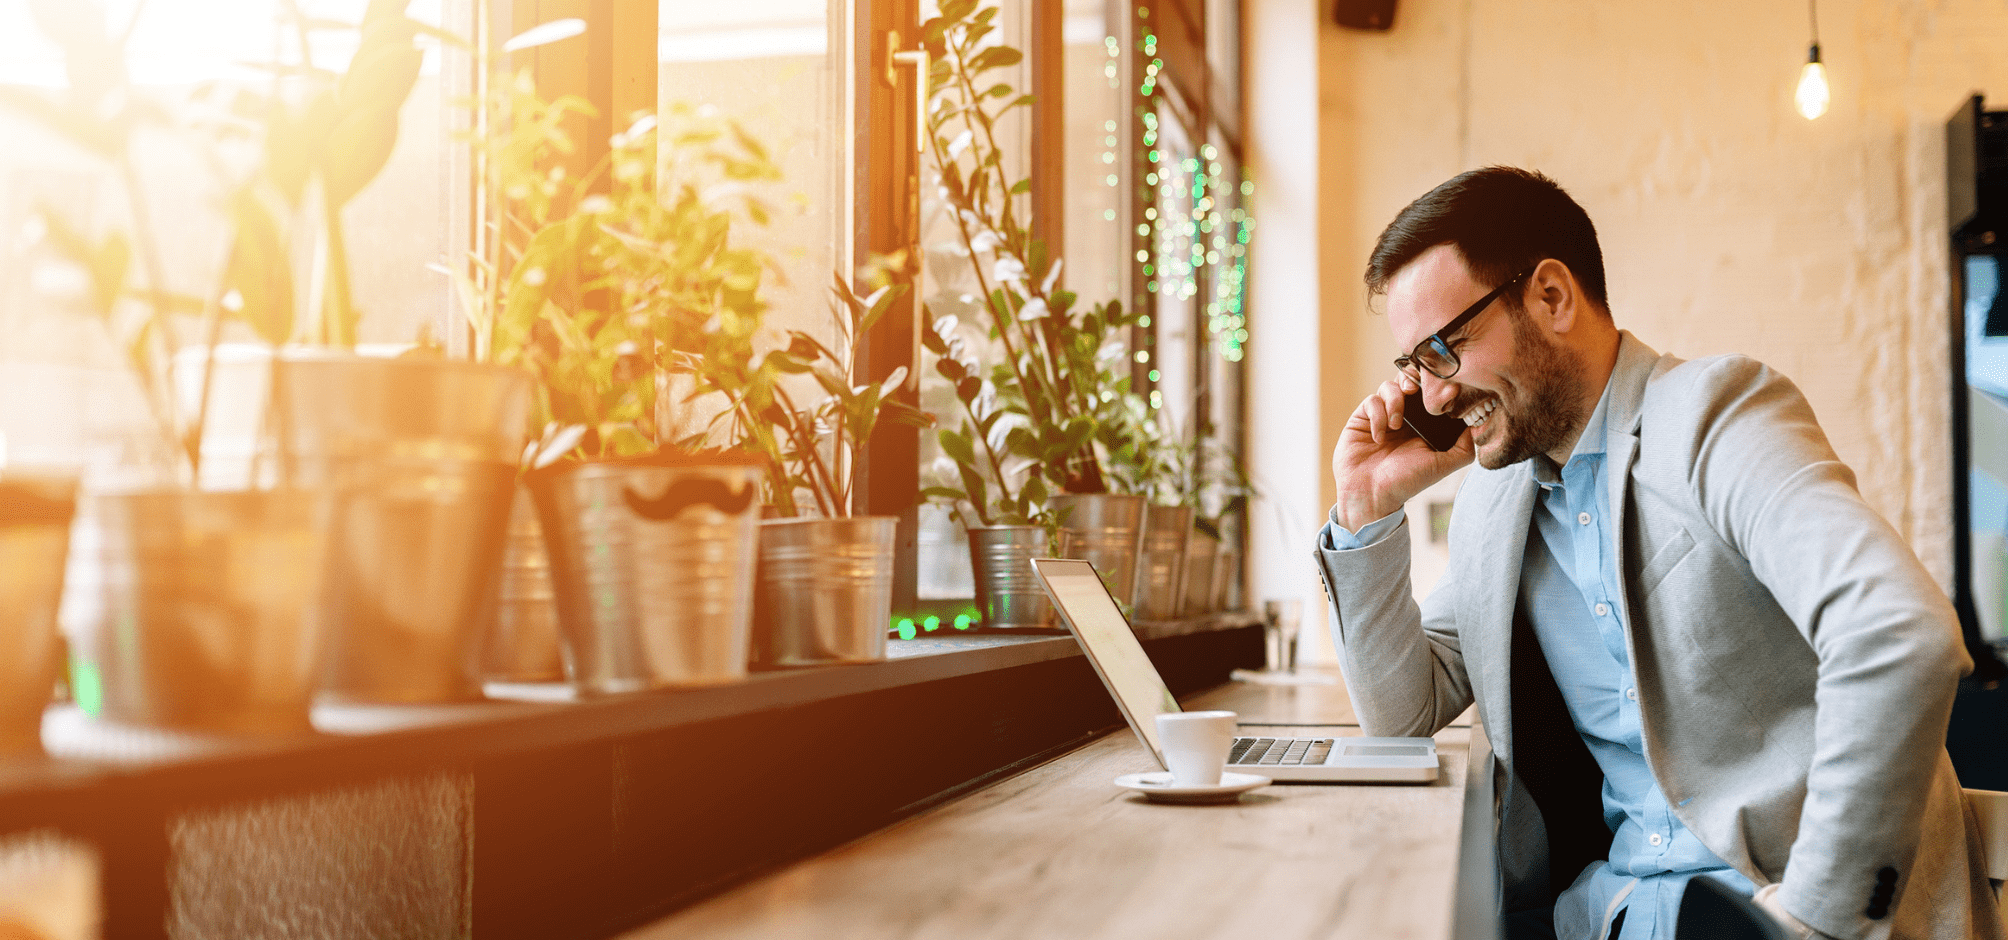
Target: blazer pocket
(1664,561)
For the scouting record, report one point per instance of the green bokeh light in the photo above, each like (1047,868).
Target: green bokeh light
(86,686)
(905,628)
(931,624)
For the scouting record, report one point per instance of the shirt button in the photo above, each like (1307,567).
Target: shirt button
(1603,610)
(1655,838)
(1583,518)
(1633,695)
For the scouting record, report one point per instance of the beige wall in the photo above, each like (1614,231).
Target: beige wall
(1729,223)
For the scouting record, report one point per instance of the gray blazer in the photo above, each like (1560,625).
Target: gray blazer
(1795,663)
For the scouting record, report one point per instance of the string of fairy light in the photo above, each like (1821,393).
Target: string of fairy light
(1191,221)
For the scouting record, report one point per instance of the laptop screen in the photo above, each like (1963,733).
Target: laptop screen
(1109,643)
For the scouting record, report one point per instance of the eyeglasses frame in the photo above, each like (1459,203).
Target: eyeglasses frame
(1442,344)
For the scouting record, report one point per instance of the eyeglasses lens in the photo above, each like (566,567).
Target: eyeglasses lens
(1437,358)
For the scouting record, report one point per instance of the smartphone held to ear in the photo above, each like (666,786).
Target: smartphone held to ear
(1439,431)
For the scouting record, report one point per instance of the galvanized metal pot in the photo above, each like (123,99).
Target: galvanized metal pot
(1008,594)
(1200,558)
(523,644)
(1160,575)
(421,456)
(825,591)
(1227,577)
(652,560)
(206,609)
(1103,529)
(34,545)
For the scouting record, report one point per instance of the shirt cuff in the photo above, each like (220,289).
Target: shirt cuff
(1338,538)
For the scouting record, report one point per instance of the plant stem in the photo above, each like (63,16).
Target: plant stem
(162,400)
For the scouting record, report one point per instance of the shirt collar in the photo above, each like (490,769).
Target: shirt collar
(1622,392)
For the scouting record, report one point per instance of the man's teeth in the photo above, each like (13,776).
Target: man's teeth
(1480,412)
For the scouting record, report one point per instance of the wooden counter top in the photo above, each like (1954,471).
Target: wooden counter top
(1059,851)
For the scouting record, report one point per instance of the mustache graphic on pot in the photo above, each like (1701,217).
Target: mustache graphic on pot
(688,492)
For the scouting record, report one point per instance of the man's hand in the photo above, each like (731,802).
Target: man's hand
(1380,463)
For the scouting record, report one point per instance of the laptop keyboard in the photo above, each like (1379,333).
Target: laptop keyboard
(1259,752)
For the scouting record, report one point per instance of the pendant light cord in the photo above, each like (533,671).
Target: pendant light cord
(1813,13)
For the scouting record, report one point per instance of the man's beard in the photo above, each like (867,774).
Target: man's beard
(1551,412)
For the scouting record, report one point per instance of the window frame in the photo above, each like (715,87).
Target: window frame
(618,66)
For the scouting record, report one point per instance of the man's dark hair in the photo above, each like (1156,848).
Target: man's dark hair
(1504,220)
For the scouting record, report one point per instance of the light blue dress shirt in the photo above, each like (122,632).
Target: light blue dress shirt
(1571,579)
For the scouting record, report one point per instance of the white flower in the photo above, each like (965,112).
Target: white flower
(1034,309)
(985,240)
(1009,271)
(959,144)
(1052,276)
(534,277)
(595,204)
(946,325)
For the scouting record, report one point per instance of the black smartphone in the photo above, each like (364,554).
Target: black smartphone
(1439,431)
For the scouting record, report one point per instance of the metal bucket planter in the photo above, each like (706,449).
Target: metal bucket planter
(421,456)
(1227,577)
(206,614)
(652,560)
(1008,594)
(1103,529)
(1200,559)
(1160,566)
(524,644)
(825,591)
(34,544)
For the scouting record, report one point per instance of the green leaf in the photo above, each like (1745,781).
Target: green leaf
(968,388)
(953,10)
(942,492)
(900,412)
(957,446)
(1022,186)
(973,483)
(950,369)
(1034,490)
(994,57)
(261,269)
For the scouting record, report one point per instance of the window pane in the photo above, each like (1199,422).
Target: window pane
(770,65)
(187,57)
(1097,181)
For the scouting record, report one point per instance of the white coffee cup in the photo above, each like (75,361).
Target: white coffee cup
(1195,745)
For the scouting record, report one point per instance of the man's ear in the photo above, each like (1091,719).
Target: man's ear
(1553,298)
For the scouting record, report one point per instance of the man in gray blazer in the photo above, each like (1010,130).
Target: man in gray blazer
(1696,651)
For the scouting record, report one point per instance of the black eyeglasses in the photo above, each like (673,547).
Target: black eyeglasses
(1434,353)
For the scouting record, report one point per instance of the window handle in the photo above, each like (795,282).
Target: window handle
(917,58)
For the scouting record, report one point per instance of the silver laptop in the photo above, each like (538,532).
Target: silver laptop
(1298,753)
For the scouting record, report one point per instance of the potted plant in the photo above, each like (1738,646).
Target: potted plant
(1145,460)
(1062,383)
(204,601)
(419,450)
(602,285)
(825,582)
(996,496)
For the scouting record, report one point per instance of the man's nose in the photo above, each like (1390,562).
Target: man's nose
(1437,394)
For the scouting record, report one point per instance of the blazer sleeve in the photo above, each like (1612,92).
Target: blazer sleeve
(1887,640)
(1403,665)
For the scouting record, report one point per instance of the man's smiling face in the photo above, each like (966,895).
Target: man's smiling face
(1518,389)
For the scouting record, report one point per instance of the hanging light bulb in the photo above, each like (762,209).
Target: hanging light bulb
(1813,96)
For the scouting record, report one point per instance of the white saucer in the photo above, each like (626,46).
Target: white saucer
(1157,786)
